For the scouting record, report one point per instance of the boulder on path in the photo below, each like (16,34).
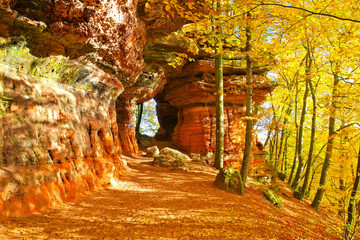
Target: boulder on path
(152,151)
(168,157)
(229,180)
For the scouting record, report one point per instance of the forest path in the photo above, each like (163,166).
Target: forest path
(157,203)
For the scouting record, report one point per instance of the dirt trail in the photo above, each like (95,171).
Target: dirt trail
(157,203)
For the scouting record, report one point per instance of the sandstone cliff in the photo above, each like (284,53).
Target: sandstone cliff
(71,73)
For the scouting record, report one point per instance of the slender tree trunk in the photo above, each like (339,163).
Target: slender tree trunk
(271,147)
(300,169)
(352,201)
(276,160)
(293,167)
(280,154)
(219,152)
(280,157)
(248,119)
(324,172)
(268,139)
(285,154)
(139,117)
(297,134)
(312,142)
(219,85)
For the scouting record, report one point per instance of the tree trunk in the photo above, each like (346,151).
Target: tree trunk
(294,161)
(219,152)
(276,160)
(248,117)
(268,139)
(297,134)
(284,158)
(352,202)
(312,142)
(324,172)
(219,92)
(280,157)
(271,149)
(139,117)
(281,148)
(300,169)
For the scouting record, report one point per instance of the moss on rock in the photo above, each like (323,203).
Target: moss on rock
(171,158)
(229,180)
(272,197)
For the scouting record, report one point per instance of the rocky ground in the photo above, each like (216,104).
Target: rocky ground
(158,203)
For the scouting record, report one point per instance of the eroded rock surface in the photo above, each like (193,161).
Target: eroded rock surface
(169,157)
(71,74)
(194,99)
(107,32)
(59,133)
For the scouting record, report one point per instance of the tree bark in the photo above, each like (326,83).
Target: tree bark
(219,152)
(324,172)
(297,133)
(280,156)
(352,201)
(312,142)
(284,158)
(300,168)
(248,114)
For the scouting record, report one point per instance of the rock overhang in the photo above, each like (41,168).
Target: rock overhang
(108,33)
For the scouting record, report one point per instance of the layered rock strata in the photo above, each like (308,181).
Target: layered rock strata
(194,97)
(186,107)
(71,73)
(107,32)
(59,130)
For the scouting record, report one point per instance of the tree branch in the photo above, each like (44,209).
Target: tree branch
(309,11)
(346,126)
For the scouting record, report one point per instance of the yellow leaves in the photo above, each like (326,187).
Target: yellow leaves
(147,5)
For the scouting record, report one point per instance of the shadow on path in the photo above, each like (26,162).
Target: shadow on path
(157,203)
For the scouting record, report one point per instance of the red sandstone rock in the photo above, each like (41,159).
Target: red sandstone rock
(109,30)
(195,99)
(124,110)
(66,124)
(59,141)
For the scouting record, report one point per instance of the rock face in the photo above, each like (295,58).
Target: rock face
(194,98)
(59,135)
(167,116)
(107,32)
(71,74)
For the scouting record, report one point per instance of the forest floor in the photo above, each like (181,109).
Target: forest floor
(158,203)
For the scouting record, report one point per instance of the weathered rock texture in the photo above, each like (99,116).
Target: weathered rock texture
(186,106)
(59,132)
(107,32)
(195,99)
(71,74)
(169,157)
